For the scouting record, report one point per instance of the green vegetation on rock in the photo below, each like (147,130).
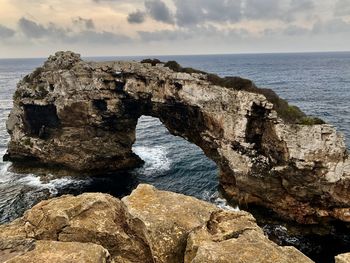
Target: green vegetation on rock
(289,113)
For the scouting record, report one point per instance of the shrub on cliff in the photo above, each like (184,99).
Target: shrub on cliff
(289,113)
(153,62)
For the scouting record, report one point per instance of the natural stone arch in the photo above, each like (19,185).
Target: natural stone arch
(83,115)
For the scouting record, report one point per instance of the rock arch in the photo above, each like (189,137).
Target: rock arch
(83,115)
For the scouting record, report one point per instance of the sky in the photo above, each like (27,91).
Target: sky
(38,28)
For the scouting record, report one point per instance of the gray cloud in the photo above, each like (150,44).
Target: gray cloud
(290,30)
(198,11)
(159,11)
(301,5)
(197,32)
(53,32)
(164,35)
(95,37)
(267,9)
(285,10)
(136,17)
(333,26)
(6,32)
(191,13)
(320,28)
(342,8)
(32,29)
(293,30)
(84,23)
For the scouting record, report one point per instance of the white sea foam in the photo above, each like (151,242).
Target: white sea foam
(51,185)
(155,157)
(218,201)
(223,204)
(5,175)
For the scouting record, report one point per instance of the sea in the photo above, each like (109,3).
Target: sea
(318,83)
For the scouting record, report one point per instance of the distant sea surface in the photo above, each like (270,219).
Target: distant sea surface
(319,83)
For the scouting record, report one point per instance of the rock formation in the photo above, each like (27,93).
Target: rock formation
(82,116)
(343,258)
(147,226)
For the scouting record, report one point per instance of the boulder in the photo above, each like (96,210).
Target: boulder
(90,217)
(150,225)
(165,219)
(343,258)
(63,252)
(11,247)
(234,237)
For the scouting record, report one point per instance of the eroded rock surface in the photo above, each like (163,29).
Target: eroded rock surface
(63,252)
(148,226)
(165,219)
(96,218)
(234,237)
(83,115)
(343,258)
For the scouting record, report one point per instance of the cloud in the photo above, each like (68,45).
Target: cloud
(267,9)
(293,30)
(198,11)
(32,29)
(53,32)
(159,11)
(342,8)
(136,17)
(333,26)
(84,23)
(290,30)
(95,37)
(197,33)
(301,5)
(6,32)
(285,10)
(164,35)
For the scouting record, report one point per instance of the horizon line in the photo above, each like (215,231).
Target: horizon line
(180,55)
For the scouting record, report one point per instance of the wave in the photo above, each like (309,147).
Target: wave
(219,201)
(155,157)
(52,185)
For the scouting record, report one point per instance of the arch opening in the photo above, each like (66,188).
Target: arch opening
(173,163)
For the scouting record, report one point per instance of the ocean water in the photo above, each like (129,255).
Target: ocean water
(319,83)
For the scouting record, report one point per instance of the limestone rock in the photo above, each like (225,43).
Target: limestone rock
(148,226)
(11,247)
(64,252)
(343,258)
(234,237)
(165,219)
(82,115)
(96,218)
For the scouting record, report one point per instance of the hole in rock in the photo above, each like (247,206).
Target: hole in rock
(38,117)
(172,163)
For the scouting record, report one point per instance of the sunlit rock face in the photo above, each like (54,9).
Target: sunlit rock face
(80,115)
(149,226)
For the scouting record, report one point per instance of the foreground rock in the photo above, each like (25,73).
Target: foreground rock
(58,252)
(96,218)
(147,226)
(343,258)
(83,115)
(234,237)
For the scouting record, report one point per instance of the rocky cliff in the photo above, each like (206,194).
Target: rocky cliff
(147,226)
(82,115)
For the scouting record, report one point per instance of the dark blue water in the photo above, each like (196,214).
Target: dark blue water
(319,83)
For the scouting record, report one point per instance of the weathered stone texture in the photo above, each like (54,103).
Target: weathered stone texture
(148,226)
(82,115)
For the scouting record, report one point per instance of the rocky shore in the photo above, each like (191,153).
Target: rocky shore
(148,226)
(78,115)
